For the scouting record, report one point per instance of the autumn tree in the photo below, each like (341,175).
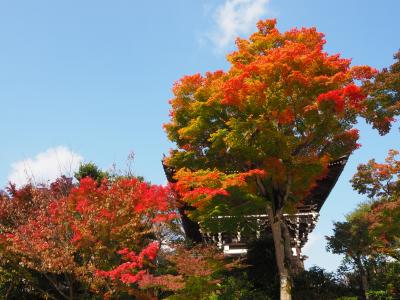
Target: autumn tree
(373,229)
(380,182)
(17,207)
(352,239)
(269,126)
(384,95)
(94,240)
(365,270)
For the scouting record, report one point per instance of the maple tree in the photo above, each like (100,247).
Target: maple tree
(383,103)
(98,239)
(380,182)
(17,206)
(269,125)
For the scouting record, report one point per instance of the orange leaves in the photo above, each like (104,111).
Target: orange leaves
(283,105)
(286,78)
(285,117)
(234,91)
(205,193)
(265,27)
(187,84)
(198,188)
(384,225)
(350,137)
(362,72)
(294,61)
(165,282)
(381,183)
(379,180)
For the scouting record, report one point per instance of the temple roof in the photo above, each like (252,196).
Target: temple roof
(316,198)
(320,193)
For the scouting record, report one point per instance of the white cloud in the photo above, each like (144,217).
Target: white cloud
(45,167)
(236,17)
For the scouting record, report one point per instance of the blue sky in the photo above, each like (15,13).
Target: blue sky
(90,80)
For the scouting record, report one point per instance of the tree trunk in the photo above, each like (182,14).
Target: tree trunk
(9,290)
(363,279)
(364,284)
(71,287)
(279,244)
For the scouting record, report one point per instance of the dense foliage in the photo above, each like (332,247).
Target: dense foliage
(381,183)
(91,241)
(384,95)
(269,125)
(83,240)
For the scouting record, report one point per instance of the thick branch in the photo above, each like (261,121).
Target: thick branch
(56,286)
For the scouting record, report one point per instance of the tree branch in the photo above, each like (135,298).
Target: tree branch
(56,286)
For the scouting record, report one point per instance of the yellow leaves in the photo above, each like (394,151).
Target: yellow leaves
(193,129)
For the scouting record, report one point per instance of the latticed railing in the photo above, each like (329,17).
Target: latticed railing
(255,226)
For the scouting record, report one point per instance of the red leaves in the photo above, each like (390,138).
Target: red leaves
(350,97)
(82,231)
(82,205)
(197,261)
(384,224)
(132,278)
(132,270)
(164,218)
(334,97)
(77,235)
(354,96)
(105,213)
(150,251)
(379,180)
